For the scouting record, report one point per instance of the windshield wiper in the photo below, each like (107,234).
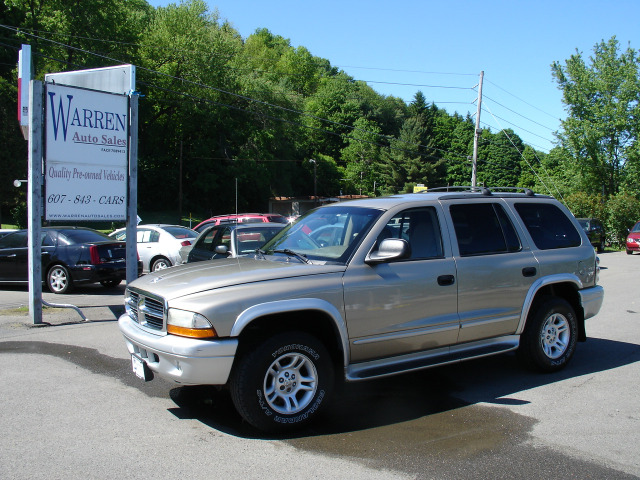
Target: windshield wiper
(300,256)
(260,252)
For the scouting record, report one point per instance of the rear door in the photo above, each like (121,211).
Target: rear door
(495,269)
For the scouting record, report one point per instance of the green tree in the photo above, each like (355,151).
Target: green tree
(602,98)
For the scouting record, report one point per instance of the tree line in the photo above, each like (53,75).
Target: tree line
(218,110)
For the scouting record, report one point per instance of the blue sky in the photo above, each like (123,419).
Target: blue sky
(402,46)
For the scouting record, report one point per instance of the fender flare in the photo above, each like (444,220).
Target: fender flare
(536,286)
(293,305)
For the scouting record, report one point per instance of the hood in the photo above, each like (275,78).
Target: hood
(197,277)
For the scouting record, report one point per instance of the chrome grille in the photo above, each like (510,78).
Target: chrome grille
(147,311)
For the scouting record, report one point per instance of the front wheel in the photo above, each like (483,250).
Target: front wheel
(549,338)
(59,280)
(282,383)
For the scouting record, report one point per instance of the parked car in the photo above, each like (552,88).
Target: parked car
(159,245)
(70,256)
(595,231)
(240,218)
(633,239)
(235,240)
(397,284)
(7,231)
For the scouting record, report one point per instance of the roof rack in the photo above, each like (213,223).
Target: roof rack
(483,190)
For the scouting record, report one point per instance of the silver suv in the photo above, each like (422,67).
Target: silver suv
(366,289)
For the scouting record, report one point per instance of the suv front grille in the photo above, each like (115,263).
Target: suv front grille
(147,311)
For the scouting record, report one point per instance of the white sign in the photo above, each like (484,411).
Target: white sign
(24,77)
(86,154)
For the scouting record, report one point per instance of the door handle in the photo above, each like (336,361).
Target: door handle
(529,271)
(446,280)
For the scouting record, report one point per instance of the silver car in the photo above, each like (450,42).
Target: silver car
(159,245)
(367,289)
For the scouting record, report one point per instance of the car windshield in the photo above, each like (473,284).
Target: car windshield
(636,227)
(181,232)
(324,235)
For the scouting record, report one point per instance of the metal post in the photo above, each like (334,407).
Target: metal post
(315,182)
(474,168)
(34,201)
(132,207)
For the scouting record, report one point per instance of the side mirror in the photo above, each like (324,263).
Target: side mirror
(222,250)
(390,249)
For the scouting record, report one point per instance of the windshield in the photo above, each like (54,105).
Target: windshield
(325,235)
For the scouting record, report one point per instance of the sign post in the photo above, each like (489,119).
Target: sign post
(34,201)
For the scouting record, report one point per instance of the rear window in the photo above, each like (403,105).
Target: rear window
(180,232)
(82,236)
(548,226)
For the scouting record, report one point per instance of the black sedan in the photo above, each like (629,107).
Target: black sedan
(70,256)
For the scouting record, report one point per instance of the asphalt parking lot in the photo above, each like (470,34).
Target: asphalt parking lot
(72,408)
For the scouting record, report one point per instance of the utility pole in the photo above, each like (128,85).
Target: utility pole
(474,167)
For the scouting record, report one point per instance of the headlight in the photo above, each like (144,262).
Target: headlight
(189,324)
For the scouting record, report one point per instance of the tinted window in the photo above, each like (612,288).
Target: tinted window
(548,226)
(14,240)
(83,236)
(180,232)
(483,229)
(419,227)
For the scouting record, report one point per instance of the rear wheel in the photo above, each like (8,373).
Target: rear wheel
(160,264)
(282,383)
(549,338)
(59,280)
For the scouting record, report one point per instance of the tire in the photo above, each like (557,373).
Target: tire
(282,383)
(59,280)
(549,338)
(110,283)
(160,264)
(629,252)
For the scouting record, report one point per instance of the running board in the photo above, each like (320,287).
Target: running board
(433,358)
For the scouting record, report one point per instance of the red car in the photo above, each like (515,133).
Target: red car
(633,239)
(241,218)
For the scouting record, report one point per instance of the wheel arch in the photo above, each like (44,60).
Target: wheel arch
(561,286)
(157,257)
(310,315)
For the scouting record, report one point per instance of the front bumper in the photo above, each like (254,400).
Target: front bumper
(182,360)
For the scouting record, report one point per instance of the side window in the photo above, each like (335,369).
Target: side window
(144,236)
(15,240)
(206,241)
(483,229)
(419,227)
(548,226)
(48,239)
(154,236)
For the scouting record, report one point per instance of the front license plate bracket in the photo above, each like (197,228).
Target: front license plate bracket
(140,368)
